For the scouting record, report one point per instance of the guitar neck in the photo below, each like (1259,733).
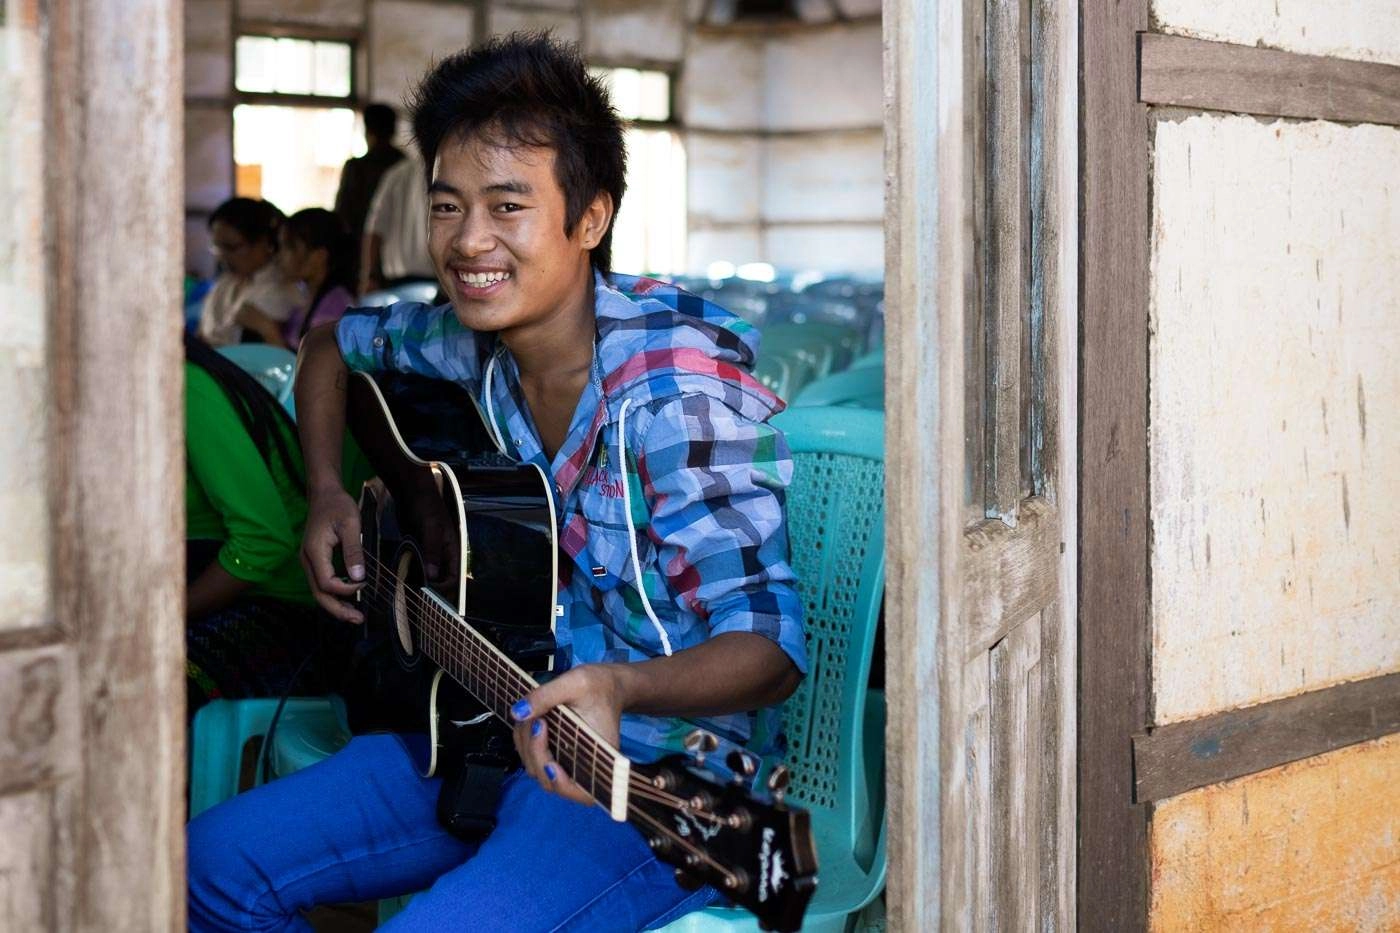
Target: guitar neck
(497,682)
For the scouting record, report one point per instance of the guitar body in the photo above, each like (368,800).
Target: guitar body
(447,515)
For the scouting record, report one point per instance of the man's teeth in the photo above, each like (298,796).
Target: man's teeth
(480,279)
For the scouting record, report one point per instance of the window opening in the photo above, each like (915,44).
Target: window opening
(295,121)
(649,232)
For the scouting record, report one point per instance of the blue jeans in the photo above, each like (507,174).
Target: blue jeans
(362,825)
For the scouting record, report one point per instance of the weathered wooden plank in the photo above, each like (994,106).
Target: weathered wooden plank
(1171,759)
(1183,72)
(975,379)
(980,816)
(929,255)
(114,246)
(1114,684)
(27,861)
(39,741)
(1016,791)
(1011,573)
(1007,246)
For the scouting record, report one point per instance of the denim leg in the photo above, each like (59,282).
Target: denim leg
(552,864)
(358,826)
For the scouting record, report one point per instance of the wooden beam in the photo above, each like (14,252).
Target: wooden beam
(1172,759)
(1114,670)
(928,257)
(1181,72)
(114,234)
(1010,573)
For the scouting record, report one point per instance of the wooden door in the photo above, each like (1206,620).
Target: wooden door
(981,285)
(91,637)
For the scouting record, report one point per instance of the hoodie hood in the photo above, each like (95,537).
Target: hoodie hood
(657,341)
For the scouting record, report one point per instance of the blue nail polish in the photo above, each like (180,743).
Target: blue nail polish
(550,773)
(521,710)
(535,727)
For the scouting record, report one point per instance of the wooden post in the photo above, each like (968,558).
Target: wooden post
(113,204)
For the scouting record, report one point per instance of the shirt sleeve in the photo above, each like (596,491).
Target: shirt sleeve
(410,337)
(716,483)
(225,462)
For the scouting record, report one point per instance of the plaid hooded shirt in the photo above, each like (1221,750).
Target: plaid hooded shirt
(706,478)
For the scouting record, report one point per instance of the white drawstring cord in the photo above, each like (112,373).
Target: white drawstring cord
(631,531)
(490,406)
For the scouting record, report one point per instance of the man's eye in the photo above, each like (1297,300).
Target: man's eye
(510,207)
(443,208)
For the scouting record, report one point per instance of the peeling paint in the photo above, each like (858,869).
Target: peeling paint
(1274,436)
(1368,30)
(1312,845)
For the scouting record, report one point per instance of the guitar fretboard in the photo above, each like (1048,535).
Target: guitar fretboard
(497,682)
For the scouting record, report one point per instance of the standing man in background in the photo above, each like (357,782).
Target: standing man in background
(395,242)
(361,176)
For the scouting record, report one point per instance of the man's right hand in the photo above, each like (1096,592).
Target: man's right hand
(333,520)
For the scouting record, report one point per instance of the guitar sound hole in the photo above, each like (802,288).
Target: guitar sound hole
(406,597)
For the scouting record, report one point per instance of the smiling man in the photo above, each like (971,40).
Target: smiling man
(678,612)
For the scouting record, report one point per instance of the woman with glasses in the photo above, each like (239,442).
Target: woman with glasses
(252,286)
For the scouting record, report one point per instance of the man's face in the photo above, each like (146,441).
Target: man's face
(496,235)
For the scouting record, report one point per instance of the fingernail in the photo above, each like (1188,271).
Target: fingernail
(357,572)
(535,727)
(521,710)
(550,773)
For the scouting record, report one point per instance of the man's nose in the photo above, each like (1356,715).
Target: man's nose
(475,237)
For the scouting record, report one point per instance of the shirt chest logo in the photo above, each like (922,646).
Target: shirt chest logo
(600,483)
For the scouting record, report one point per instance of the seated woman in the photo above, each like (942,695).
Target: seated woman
(317,251)
(250,622)
(252,287)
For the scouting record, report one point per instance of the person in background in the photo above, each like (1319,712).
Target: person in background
(317,251)
(394,247)
(251,288)
(250,620)
(360,176)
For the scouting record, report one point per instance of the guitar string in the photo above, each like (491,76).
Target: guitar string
(638,783)
(455,631)
(485,664)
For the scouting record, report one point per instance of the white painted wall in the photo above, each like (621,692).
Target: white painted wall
(1368,30)
(784,139)
(1275,409)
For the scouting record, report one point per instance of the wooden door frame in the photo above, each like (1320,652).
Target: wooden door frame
(930,74)
(113,149)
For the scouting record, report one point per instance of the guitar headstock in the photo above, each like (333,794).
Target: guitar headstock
(757,852)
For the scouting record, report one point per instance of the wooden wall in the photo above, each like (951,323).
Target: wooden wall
(1250,169)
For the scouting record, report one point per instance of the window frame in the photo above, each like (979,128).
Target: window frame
(260,30)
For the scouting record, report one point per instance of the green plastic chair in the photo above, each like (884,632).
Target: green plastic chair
(855,388)
(834,724)
(875,357)
(775,373)
(847,341)
(222,728)
(791,340)
(273,367)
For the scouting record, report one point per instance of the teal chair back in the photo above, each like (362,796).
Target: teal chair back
(834,722)
(856,388)
(793,340)
(273,367)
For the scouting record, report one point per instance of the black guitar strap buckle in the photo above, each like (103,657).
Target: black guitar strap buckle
(470,793)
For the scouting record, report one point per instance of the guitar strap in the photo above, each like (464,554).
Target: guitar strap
(480,757)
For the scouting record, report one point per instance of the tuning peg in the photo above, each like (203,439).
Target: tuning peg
(700,743)
(778,782)
(687,880)
(743,765)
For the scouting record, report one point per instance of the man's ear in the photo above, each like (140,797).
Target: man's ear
(596,219)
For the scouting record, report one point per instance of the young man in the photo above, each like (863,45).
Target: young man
(361,176)
(599,388)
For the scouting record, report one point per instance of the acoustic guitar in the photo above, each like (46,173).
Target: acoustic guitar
(462,556)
